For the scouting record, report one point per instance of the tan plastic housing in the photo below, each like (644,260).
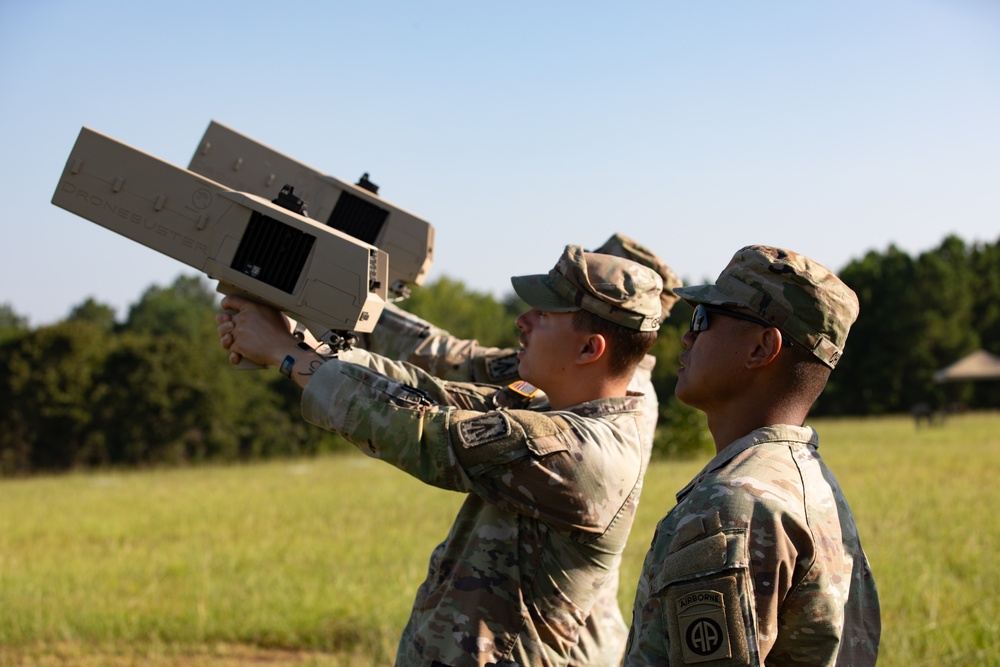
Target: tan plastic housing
(230,158)
(329,281)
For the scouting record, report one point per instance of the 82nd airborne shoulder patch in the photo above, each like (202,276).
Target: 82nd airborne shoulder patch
(704,629)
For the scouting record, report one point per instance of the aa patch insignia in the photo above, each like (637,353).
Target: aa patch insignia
(480,430)
(704,630)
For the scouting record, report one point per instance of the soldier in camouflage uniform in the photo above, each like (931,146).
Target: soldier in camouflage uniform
(760,560)
(550,494)
(403,336)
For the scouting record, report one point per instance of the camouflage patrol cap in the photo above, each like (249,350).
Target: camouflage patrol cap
(620,245)
(615,288)
(802,298)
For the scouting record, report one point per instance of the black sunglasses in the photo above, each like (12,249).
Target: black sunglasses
(699,320)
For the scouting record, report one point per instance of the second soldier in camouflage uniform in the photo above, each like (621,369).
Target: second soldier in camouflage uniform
(550,495)
(760,560)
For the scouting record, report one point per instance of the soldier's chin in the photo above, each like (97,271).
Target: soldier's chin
(680,389)
(524,372)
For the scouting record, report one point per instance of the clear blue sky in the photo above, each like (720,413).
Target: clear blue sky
(829,127)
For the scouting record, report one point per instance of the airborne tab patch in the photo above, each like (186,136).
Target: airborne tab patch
(704,630)
(480,430)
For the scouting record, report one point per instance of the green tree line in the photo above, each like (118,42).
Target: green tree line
(918,315)
(157,388)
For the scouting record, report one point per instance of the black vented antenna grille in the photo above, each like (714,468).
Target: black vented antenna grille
(358,218)
(273,252)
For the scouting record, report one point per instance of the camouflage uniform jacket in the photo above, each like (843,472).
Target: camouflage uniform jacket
(759,561)
(404,336)
(551,499)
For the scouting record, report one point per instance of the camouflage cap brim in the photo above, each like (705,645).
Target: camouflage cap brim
(709,294)
(537,292)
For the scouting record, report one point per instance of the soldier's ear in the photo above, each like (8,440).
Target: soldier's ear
(594,347)
(768,345)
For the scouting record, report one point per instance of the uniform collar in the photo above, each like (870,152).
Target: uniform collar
(601,407)
(796,436)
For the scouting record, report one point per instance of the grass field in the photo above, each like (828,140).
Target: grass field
(316,562)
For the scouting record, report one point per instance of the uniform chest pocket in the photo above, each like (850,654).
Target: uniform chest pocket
(707,603)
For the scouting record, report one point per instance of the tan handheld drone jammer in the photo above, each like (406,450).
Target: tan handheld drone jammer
(230,158)
(327,280)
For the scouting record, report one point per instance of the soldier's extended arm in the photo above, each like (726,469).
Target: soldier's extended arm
(539,464)
(404,336)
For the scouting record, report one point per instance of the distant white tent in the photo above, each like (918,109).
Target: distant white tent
(980,365)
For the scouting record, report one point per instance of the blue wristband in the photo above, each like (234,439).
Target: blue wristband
(287,365)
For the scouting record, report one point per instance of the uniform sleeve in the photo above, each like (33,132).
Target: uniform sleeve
(404,336)
(385,417)
(397,333)
(828,581)
(557,467)
(462,395)
(694,598)
(570,472)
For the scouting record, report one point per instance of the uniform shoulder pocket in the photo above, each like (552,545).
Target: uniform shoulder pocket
(500,436)
(704,556)
(707,602)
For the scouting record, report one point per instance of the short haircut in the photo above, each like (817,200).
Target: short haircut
(628,346)
(807,375)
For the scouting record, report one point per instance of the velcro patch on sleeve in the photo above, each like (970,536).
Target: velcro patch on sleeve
(485,439)
(481,430)
(500,436)
(502,368)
